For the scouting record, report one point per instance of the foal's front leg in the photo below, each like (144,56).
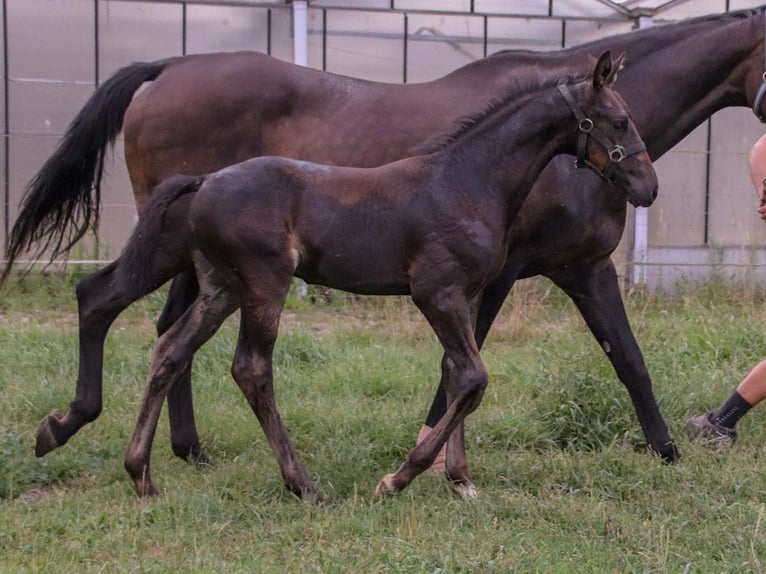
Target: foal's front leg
(490,303)
(449,313)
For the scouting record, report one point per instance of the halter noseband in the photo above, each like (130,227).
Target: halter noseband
(762,89)
(585,126)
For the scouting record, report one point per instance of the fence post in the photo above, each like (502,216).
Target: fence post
(300,32)
(641,218)
(301,58)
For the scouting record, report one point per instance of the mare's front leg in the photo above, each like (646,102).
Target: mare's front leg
(101,297)
(595,290)
(172,354)
(184,438)
(449,313)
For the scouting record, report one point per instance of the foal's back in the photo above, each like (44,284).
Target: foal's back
(349,228)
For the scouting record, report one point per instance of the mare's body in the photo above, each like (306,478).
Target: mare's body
(202,113)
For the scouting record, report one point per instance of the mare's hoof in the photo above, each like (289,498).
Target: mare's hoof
(439,466)
(386,486)
(145,489)
(466,489)
(193,455)
(45,438)
(670,454)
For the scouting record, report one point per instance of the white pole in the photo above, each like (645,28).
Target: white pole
(641,219)
(300,32)
(301,58)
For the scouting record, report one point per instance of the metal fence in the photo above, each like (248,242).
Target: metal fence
(56,51)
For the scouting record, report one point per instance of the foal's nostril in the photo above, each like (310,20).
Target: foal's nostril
(655,192)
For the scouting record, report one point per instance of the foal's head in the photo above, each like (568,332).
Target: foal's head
(608,140)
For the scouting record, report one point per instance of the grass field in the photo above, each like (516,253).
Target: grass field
(565,484)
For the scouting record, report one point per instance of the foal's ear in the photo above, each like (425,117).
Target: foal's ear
(603,75)
(617,65)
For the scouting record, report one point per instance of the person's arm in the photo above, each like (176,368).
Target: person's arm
(757,161)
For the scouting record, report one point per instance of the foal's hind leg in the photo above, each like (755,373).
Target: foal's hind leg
(184,438)
(101,297)
(172,354)
(252,369)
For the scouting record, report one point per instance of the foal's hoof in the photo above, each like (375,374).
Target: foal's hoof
(387,485)
(312,497)
(45,439)
(466,489)
(199,459)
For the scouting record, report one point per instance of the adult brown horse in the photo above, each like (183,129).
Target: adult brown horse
(433,226)
(250,104)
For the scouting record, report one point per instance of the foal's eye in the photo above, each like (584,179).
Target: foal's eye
(620,124)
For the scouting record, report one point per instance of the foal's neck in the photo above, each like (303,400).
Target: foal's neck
(500,159)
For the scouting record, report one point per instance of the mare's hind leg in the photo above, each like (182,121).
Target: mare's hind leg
(184,438)
(449,313)
(101,297)
(252,369)
(595,290)
(172,354)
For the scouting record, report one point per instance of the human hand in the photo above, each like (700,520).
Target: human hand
(762,212)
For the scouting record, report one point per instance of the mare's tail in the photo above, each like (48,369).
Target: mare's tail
(64,199)
(162,228)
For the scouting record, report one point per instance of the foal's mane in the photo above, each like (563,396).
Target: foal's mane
(526,85)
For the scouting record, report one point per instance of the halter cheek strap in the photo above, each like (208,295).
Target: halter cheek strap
(587,129)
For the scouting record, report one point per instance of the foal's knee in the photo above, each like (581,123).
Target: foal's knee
(471,385)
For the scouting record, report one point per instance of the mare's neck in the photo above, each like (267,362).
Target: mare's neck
(677,77)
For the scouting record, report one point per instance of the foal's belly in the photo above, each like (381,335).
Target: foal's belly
(367,272)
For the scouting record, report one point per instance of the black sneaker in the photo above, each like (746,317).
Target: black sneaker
(714,434)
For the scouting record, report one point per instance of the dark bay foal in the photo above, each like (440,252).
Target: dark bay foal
(434,226)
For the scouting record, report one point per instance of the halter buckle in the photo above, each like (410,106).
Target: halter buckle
(617,153)
(585,125)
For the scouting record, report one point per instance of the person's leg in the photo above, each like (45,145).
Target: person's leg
(719,424)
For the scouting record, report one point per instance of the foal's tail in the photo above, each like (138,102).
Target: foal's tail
(162,227)
(64,199)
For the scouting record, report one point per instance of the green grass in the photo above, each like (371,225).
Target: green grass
(566,484)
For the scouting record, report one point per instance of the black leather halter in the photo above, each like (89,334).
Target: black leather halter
(616,152)
(762,90)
